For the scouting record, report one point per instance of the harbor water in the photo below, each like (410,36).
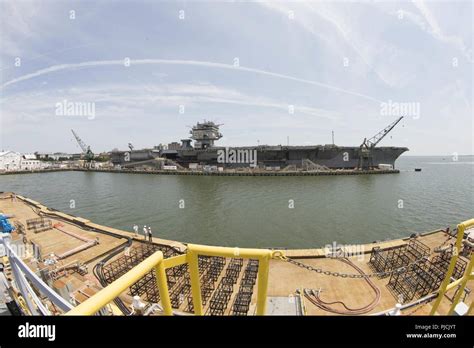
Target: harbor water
(286,212)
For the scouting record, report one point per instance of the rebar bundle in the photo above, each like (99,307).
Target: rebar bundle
(391,259)
(39,224)
(243,298)
(425,278)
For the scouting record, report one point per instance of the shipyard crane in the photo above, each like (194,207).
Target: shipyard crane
(365,153)
(86,150)
(372,142)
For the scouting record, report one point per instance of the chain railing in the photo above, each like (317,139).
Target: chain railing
(383,274)
(319,270)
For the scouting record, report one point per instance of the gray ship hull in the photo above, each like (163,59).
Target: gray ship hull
(330,156)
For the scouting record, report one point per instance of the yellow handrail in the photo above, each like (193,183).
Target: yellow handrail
(93,304)
(156,261)
(447,285)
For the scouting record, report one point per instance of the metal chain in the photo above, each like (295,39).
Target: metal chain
(354,275)
(280,256)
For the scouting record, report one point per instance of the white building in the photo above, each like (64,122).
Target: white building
(29,162)
(54,156)
(10,161)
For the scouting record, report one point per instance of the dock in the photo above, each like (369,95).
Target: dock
(74,247)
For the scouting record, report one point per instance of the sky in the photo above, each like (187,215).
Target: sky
(269,72)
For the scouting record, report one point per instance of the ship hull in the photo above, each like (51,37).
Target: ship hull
(330,156)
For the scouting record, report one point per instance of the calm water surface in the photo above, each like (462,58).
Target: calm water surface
(254,211)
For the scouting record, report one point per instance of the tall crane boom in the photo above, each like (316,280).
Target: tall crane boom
(372,142)
(86,149)
(82,144)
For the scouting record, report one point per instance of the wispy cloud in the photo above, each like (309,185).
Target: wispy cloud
(433,28)
(62,67)
(19,23)
(35,107)
(338,28)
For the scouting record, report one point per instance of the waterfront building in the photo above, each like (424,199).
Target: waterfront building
(29,162)
(10,160)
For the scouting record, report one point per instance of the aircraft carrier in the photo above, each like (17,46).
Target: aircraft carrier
(204,152)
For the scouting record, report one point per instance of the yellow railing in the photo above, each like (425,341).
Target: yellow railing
(447,285)
(157,262)
(93,304)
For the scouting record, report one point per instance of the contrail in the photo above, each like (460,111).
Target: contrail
(96,63)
